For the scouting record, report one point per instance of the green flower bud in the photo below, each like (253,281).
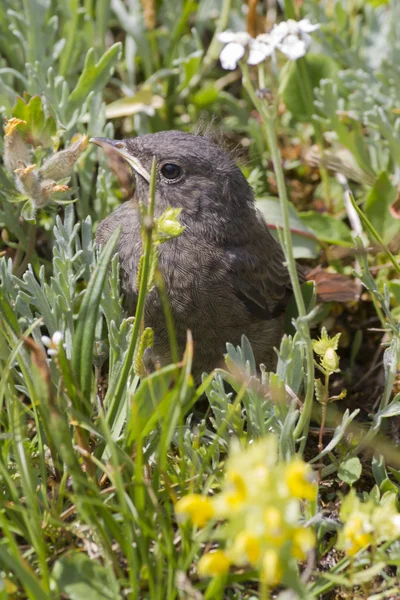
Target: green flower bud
(168,225)
(330,361)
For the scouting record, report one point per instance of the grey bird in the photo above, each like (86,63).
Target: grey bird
(225,274)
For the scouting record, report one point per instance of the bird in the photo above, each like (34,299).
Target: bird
(225,275)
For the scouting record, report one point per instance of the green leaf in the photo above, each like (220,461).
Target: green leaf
(24,573)
(327,228)
(205,96)
(144,101)
(87,318)
(82,578)
(321,392)
(94,75)
(350,470)
(151,402)
(305,244)
(338,434)
(319,67)
(39,129)
(377,208)
(28,212)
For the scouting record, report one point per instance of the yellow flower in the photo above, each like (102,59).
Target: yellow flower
(236,492)
(303,540)
(271,568)
(246,549)
(213,563)
(356,534)
(273,520)
(199,509)
(298,477)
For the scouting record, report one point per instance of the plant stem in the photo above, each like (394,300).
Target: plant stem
(323,420)
(148,245)
(269,129)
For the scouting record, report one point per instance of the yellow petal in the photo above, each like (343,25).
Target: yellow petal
(303,541)
(25,170)
(272,569)
(12,124)
(59,188)
(246,549)
(199,509)
(298,477)
(213,563)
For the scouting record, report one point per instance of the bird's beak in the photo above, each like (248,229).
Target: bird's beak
(120,148)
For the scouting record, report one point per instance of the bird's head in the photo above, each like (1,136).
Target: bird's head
(192,173)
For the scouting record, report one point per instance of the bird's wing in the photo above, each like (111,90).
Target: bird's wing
(259,276)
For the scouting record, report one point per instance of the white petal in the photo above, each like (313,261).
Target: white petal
(51,352)
(46,341)
(292,27)
(226,37)
(230,55)
(306,27)
(240,37)
(57,337)
(259,52)
(278,32)
(307,39)
(268,39)
(292,47)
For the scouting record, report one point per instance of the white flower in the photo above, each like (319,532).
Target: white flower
(293,47)
(290,37)
(260,49)
(230,55)
(236,46)
(53,343)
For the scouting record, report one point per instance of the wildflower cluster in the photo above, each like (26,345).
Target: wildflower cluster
(289,37)
(40,184)
(260,504)
(368,523)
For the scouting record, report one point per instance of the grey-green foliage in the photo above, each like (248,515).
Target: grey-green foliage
(55,303)
(53,50)
(360,106)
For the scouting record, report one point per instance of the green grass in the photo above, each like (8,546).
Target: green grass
(93,454)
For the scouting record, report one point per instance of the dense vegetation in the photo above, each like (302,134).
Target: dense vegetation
(119,484)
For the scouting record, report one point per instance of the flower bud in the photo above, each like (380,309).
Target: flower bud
(168,225)
(60,164)
(27,180)
(330,360)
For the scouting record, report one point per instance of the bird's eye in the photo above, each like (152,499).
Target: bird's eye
(171,171)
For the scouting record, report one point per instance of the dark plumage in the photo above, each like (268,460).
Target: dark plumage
(225,274)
